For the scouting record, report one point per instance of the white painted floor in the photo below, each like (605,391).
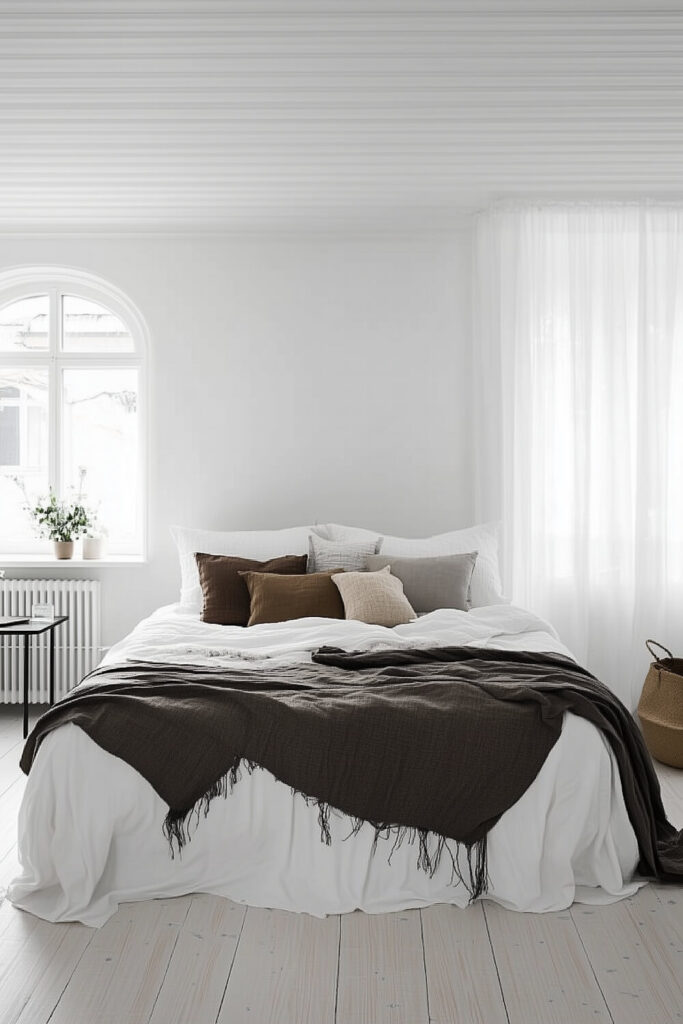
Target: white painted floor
(200,959)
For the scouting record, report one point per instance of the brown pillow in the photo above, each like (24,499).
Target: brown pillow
(226,597)
(279,598)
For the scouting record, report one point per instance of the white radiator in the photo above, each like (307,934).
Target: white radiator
(77,642)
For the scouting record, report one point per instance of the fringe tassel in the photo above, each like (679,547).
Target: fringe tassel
(179,826)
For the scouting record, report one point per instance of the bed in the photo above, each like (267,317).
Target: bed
(567,839)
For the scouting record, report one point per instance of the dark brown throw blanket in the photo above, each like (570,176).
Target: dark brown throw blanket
(432,745)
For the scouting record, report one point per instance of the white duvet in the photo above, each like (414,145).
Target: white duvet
(90,827)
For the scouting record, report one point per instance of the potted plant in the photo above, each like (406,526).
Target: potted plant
(95,537)
(61,522)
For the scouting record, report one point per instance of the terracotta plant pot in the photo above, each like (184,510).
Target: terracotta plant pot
(93,547)
(63,548)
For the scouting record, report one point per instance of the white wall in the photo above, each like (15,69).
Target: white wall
(292,380)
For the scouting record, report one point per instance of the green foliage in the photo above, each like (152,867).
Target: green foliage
(60,520)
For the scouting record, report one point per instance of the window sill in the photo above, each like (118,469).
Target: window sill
(47,562)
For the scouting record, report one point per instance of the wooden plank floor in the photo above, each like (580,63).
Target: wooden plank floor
(202,959)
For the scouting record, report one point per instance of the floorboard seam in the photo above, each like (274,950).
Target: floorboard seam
(53,957)
(68,980)
(232,963)
(168,962)
(336,986)
(424,964)
(495,961)
(590,963)
(9,750)
(16,782)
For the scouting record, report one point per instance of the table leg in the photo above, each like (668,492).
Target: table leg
(26,694)
(52,665)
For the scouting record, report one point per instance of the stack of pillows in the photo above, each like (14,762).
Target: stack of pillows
(242,579)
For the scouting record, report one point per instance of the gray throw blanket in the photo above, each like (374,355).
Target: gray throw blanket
(428,745)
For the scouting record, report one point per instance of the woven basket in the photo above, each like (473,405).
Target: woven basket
(661,707)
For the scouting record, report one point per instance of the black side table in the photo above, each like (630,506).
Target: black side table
(27,630)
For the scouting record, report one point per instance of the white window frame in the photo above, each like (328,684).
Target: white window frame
(55,282)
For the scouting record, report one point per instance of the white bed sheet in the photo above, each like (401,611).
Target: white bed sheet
(568,838)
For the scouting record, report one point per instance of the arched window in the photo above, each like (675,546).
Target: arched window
(72,389)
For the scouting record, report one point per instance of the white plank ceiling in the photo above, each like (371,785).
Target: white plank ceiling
(215,114)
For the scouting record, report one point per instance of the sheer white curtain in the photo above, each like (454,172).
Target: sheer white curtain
(579,359)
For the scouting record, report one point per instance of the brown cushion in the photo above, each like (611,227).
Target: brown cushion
(226,596)
(279,598)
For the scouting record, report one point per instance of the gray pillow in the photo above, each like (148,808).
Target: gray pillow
(324,555)
(431,583)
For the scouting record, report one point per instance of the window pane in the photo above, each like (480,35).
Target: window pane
(100,437)
(23,452)
(23,325)
(89,327)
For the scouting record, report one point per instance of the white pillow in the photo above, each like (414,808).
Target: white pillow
(346,534)
(258,544)
(486,586)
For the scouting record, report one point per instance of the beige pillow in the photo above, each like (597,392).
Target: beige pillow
(374,597)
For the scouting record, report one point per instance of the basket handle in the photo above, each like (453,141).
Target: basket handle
(648,644)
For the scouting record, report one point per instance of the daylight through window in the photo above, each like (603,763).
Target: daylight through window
(71,390)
